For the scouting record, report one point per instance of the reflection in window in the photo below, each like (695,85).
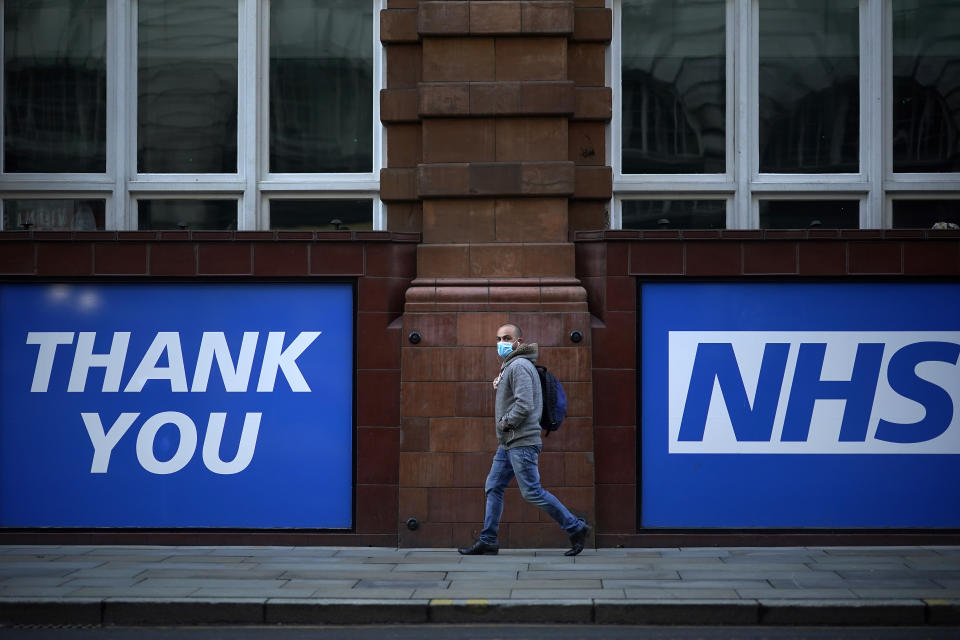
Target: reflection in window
(321,215)
(809,86)
(809,214)
(55,86)
(187,86)
(321,86)
(926,86)
(674,214)
(674,86)
(54,215)
(926,214)
(186,214)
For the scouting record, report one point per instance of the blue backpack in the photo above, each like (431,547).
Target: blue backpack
(554,401)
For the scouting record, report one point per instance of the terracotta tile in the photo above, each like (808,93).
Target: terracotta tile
(615,346)
(580,398)
(717,258)
(435,329)
(591,258)
(397,108)
(587,143)
(493,98)
(443,180)
(414,434)
(64,259)
(578,499)
(616,455)
(593,182)
(516,509)
(615,397)
(280,259)
(575,434)
(543,98)
(544,260)
(770,257)
(426,469)
(443,260)
(443,18)
(552,470)
(378,400)
(459,140)
(475,399)
(931,257)
(875,257)
(616,508)
(530,59)
(381,294)
(413,503)
(495,179)
(479,329)
(496,260)
(530,139)
(428,399)
(514,298)
(457,434)
(536,535)
(569,364)
(617,258)
(405,217)
(593,103)
(578,469)
(458,221)
(471,469)
(621,294)
(398,25)
(399,184)
(403,145)
(119,258)
(593,25)
(336,259)
(173,259)
(444,99)
(546,329)
(404,66)
(596,294)
(495,17)
(547,17)
(455,505)
(17,257)
(585,64)
(429,534)
(378,346)
(822,258)
(391,259)
(458,59)
(377,508)
(378,452)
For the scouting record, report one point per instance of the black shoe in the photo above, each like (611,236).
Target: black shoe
(577,539)
(480,548)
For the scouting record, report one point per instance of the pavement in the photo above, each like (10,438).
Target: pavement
(167,585)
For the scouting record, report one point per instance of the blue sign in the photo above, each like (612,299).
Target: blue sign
(176,405)
(800,405)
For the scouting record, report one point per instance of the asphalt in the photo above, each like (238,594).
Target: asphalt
(163,585)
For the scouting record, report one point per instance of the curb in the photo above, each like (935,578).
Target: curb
(273,611)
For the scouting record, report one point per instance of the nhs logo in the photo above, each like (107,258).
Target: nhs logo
(814,392)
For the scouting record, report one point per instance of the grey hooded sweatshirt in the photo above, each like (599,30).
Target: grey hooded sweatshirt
(519,399)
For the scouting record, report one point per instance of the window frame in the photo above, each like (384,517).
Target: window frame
(875,185)
(122,185)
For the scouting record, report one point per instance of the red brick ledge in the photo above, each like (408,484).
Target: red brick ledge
(212,236)
(765,234)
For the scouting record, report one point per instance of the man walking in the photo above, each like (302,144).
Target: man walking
(518,408)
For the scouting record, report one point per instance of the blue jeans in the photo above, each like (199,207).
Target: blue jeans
(521,462)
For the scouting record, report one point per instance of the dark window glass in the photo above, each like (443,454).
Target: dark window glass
(674,86)
(809,86)
(187,86)
(186,214)
(323,215)
(674,214)
(926,86)
(55,86)
(809,214)
(54,215)
(321,86)
(926,214)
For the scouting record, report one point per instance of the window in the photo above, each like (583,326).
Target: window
(174,114)
(785,113)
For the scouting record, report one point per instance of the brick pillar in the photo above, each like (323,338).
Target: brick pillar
(483,166)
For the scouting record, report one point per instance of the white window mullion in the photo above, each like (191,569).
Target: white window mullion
(120,55)
(746,111)
(872,141)
(247,59)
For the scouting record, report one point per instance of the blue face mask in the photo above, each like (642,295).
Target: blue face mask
(504,349)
